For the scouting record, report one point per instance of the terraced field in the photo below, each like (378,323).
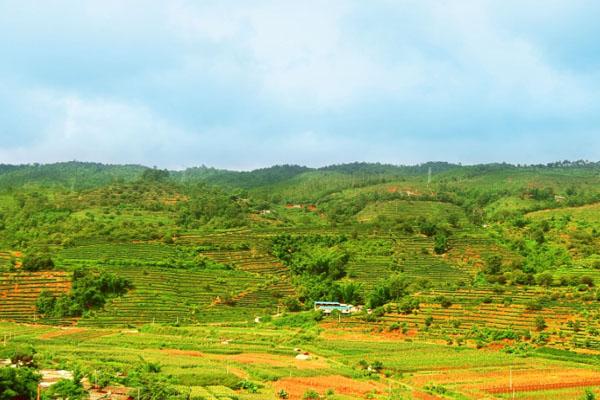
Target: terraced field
(164,295)
(20,290)
(589,213)
(248,260)
(405,209)
(147,252)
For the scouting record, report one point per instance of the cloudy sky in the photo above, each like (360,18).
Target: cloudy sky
(245,84)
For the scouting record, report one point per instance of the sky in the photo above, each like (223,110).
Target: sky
(248,84)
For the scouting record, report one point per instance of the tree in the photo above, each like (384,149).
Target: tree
(454,220)
(444,301)
(18,383)
(493,265)
(35,263)
(545,279)
(540,323)
(46,303)
(408,305)
(67,389)
(589,394)
(292,304)
(155,175)
(441,244)
(351,292)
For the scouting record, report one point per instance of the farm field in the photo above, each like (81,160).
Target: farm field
(211,361)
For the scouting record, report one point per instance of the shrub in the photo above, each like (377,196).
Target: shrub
(67,389)
(18,383)
(444,301)
(37,263)
(311,394)
(534,305)
(441,244)
(292,304)
(587,280)
(408,305)
(540,323)
(589,394)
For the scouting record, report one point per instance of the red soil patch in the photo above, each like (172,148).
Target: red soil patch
(499,345)
(277,360)
(255,358)
(61,332)
(524,379)
(175,352)
(296,387)
(424,396)
(543,386)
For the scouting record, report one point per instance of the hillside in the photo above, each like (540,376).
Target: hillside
(487,257)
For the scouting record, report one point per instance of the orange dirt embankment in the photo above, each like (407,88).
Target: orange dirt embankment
(273,360)
(61,332)
(296,387)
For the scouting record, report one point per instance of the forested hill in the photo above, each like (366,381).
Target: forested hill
(84,175)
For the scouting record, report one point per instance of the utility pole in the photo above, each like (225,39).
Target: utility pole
(428,176)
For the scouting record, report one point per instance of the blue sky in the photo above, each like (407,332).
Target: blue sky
(246,84)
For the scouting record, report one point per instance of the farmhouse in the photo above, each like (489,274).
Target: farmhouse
(329,306)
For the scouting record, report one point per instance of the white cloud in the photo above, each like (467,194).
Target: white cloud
(245,84)
(95,129)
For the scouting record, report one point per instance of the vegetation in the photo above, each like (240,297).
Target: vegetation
(492,256)
(89,291)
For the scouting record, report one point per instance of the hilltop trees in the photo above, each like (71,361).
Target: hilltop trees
(215,207)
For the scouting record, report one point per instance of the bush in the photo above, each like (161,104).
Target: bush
(408,305)
(587,280)
(292,304)
(540,323)
(589,394)
(37,263)
(67,389)
(444,301)
(311,394)
(18,383)
(534,305)
(22,355)
(441,244)
(303,319)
